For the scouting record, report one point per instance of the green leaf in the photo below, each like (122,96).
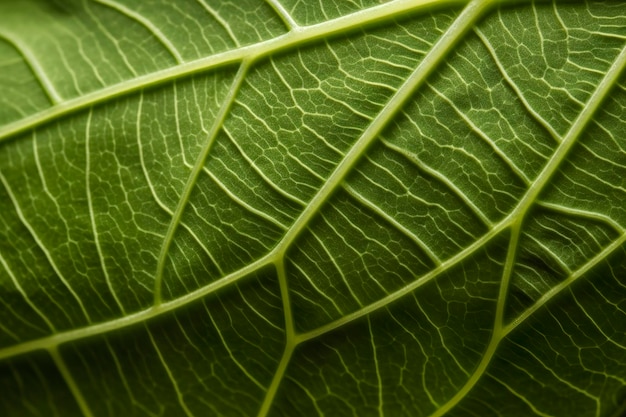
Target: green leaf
(289,208)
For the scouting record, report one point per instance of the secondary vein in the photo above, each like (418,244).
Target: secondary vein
(193,178)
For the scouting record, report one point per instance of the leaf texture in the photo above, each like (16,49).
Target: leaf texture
(280,208)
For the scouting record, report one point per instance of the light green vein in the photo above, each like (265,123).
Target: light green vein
(379,379)
(284,292)
(566,283)
(290,342)
(193,177)
(35,67)
(282,43)
(92,218)
(142,159)
(276,380)
(525,400)
(496,337)
(151,27)
(71,382)
(43,247)
(233,358)
(170,375)
(394,223)
(507,274)
(544,123)
(245,205)
(285,16)
(418,282)
(438,176)
(224,24)
(582,213)
(57,339)
(19,288)
(429,63)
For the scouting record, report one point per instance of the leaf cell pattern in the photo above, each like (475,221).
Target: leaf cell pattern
(278,208)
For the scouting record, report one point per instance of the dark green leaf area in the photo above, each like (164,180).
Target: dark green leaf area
(38,384)
(579,340)
(422,348)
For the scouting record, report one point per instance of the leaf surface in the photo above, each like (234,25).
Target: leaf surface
(352,208)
